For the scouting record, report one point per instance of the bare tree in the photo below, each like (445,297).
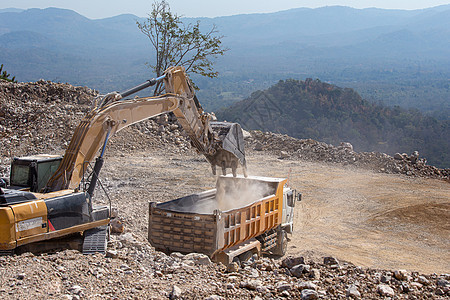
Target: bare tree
(179,44)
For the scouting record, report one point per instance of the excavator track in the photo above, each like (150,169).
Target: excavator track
(96,240)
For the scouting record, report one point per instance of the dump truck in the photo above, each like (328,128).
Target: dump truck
(49,197)
(241,217)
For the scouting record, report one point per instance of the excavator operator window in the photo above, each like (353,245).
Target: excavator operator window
(33,172)
(20,175)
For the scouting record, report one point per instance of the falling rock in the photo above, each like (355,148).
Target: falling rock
(289,262)
(401,275)
(309,295)
(114,213)
(128,239)
(198,258)
(175,293)
(385,278)
(315,274)
(385,290)
(423,280)
(306,285)
(76,289)
(352,292)
(404,287)
(258,146)
(443,282)
(285,294)
(439,291)
(330,261)
(246,134)
(233,267)
(284,155)
(398,156)
(251,284)
(177,255)
(214,297)
(112,253)
(116,226)
(283,286)
(346,145)
(297,270)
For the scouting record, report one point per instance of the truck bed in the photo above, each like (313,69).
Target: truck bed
(210,222)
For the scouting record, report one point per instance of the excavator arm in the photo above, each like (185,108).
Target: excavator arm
(221,143)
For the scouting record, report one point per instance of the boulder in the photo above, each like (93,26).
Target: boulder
(309,295)
(385,290)
(352,292)
(289,262)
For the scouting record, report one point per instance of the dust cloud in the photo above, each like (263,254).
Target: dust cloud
(230,193)
(236,193)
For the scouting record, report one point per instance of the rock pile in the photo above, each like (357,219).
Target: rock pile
(288,147)
(40,117)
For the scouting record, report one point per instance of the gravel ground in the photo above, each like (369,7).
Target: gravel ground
(351,212)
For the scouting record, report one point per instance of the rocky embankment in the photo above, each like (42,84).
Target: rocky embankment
(40,117)
(134,270)
(288,147)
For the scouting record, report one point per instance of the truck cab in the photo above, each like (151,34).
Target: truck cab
(289,198)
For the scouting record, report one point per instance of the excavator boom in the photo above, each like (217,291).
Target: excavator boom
(221,143)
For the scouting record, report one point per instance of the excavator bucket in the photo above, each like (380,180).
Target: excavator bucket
(230,153)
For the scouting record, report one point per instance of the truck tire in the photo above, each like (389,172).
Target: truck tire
(281,248)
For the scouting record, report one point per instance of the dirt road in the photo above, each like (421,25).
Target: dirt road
(369,219)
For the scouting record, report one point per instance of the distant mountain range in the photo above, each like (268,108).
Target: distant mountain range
(397,57)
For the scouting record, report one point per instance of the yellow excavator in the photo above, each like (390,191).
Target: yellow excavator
(49,197)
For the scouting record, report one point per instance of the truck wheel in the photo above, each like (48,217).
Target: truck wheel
(282,241)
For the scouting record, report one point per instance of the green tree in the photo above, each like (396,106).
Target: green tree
(5,76)
(179,44)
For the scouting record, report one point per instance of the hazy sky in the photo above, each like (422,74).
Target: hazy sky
(95,9)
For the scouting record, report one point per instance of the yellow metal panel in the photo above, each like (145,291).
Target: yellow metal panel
(60,233)
(30,218)
(7,232)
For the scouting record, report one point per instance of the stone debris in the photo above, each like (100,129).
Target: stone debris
(287,147)
(385,290)
(135,270)
(40,118)
(352,292)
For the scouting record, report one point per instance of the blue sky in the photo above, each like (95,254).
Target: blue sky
(95,9)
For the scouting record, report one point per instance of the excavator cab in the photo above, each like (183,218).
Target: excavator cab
(33,172)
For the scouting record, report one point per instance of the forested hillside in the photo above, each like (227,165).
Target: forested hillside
(325,112)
